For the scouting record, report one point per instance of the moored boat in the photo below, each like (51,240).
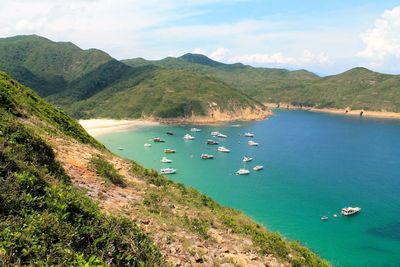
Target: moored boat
(120,148)
(252,143)
(350,211)
(158,140)
(170,133)
(147,145)
(212,142)
(258,168)
(324,218)
(220,135)
(188,137)
(195,130)
(247,159)
(223,149)
(168,150)
(166,160)
(207,156)
(168,171)
(215,133)
(243,172)
(249,135)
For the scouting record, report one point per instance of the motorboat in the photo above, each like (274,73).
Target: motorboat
(158,140)
(252,143)
(223,149)
(195,130)
(249,135)
(168,150)
(324,218)
(350,211)
(188,137)
(220,135)
(212,142)
(243,172)
(258,168)
(207,156)
(166,160)
(247,159)
(120,148)
(147,145)
(215,133)
(170,133)
(168,171)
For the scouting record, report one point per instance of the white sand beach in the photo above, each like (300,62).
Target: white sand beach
(96,127)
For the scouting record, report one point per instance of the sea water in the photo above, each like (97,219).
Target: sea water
(314,164)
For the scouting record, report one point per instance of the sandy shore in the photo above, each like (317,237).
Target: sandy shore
(96,127)
(346,112)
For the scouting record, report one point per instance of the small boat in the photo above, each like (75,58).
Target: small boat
(243,172)
(170,133)
(147,145)
(188,137)
(249,135)
(165,160)
(324,218)
(252,143)
(207,156)
(247,159)
(350,210)
(120,148)
(236,125)
(168,171)
(168,150)
(334,215)
(223,149)
(195,130)
(258,168)
(215,133)
(211,142)
(158,140)
(220,135)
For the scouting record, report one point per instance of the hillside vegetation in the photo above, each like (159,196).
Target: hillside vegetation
(90,83)
(358,88)
(49,166)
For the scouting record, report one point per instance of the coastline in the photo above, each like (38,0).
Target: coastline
(350,112)
(97,127)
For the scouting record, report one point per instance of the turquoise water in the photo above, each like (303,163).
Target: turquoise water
(315,164)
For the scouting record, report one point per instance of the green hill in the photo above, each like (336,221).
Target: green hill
(59,187)
(89,83)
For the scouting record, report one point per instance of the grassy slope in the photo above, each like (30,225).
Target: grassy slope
(45,220)
(357,88)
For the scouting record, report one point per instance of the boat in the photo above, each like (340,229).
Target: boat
(223,149)
(158,140)
(243,172)
(220,135)
(168,171)
(258,168)
(147,145)
(247,159)
(215,133)
(195,130)
(207,156)
(236,125)
(168,150)
(249,135)
(350,211)
(170,133)
(120,148)
(252,143)
(211,142)
(324,218)
(165,160)
(188,137)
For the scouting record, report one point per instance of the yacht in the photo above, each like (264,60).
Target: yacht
(220,135)
(252,143)
(195,130)
(247,159)
(243,172)
(350,210)
(168,150)
(258,168)
(147,145)
(188,137)
(211,142)
(207,156)
(215,133)
(165,160)
(158,140)
(249,135)
(168,171)
(223,149)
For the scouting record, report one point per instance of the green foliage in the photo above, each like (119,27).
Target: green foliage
(198,225)
(107,170)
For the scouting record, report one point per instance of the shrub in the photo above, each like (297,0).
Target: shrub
(106,170)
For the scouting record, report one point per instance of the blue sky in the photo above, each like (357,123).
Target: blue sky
(326,37)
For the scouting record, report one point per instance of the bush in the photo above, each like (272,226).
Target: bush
(106,170)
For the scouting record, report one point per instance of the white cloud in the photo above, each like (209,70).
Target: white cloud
(383,41)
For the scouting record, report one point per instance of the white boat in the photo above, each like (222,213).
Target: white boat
(324,218)
(147,145)
(120,148)
(168,171)
(249,135)
(188,137)
(235,125)
(207,156)
(215,133)
(350,210)
(223,149)
(243,172)
(195,130)
(252,143)
(220,135)
(169,150)
(247,159)
(211,142)
(166,160)
(258,168)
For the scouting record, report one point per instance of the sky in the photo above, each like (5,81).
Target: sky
(324,36)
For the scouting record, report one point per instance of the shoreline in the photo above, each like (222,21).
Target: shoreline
(97,127)
(344,111)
